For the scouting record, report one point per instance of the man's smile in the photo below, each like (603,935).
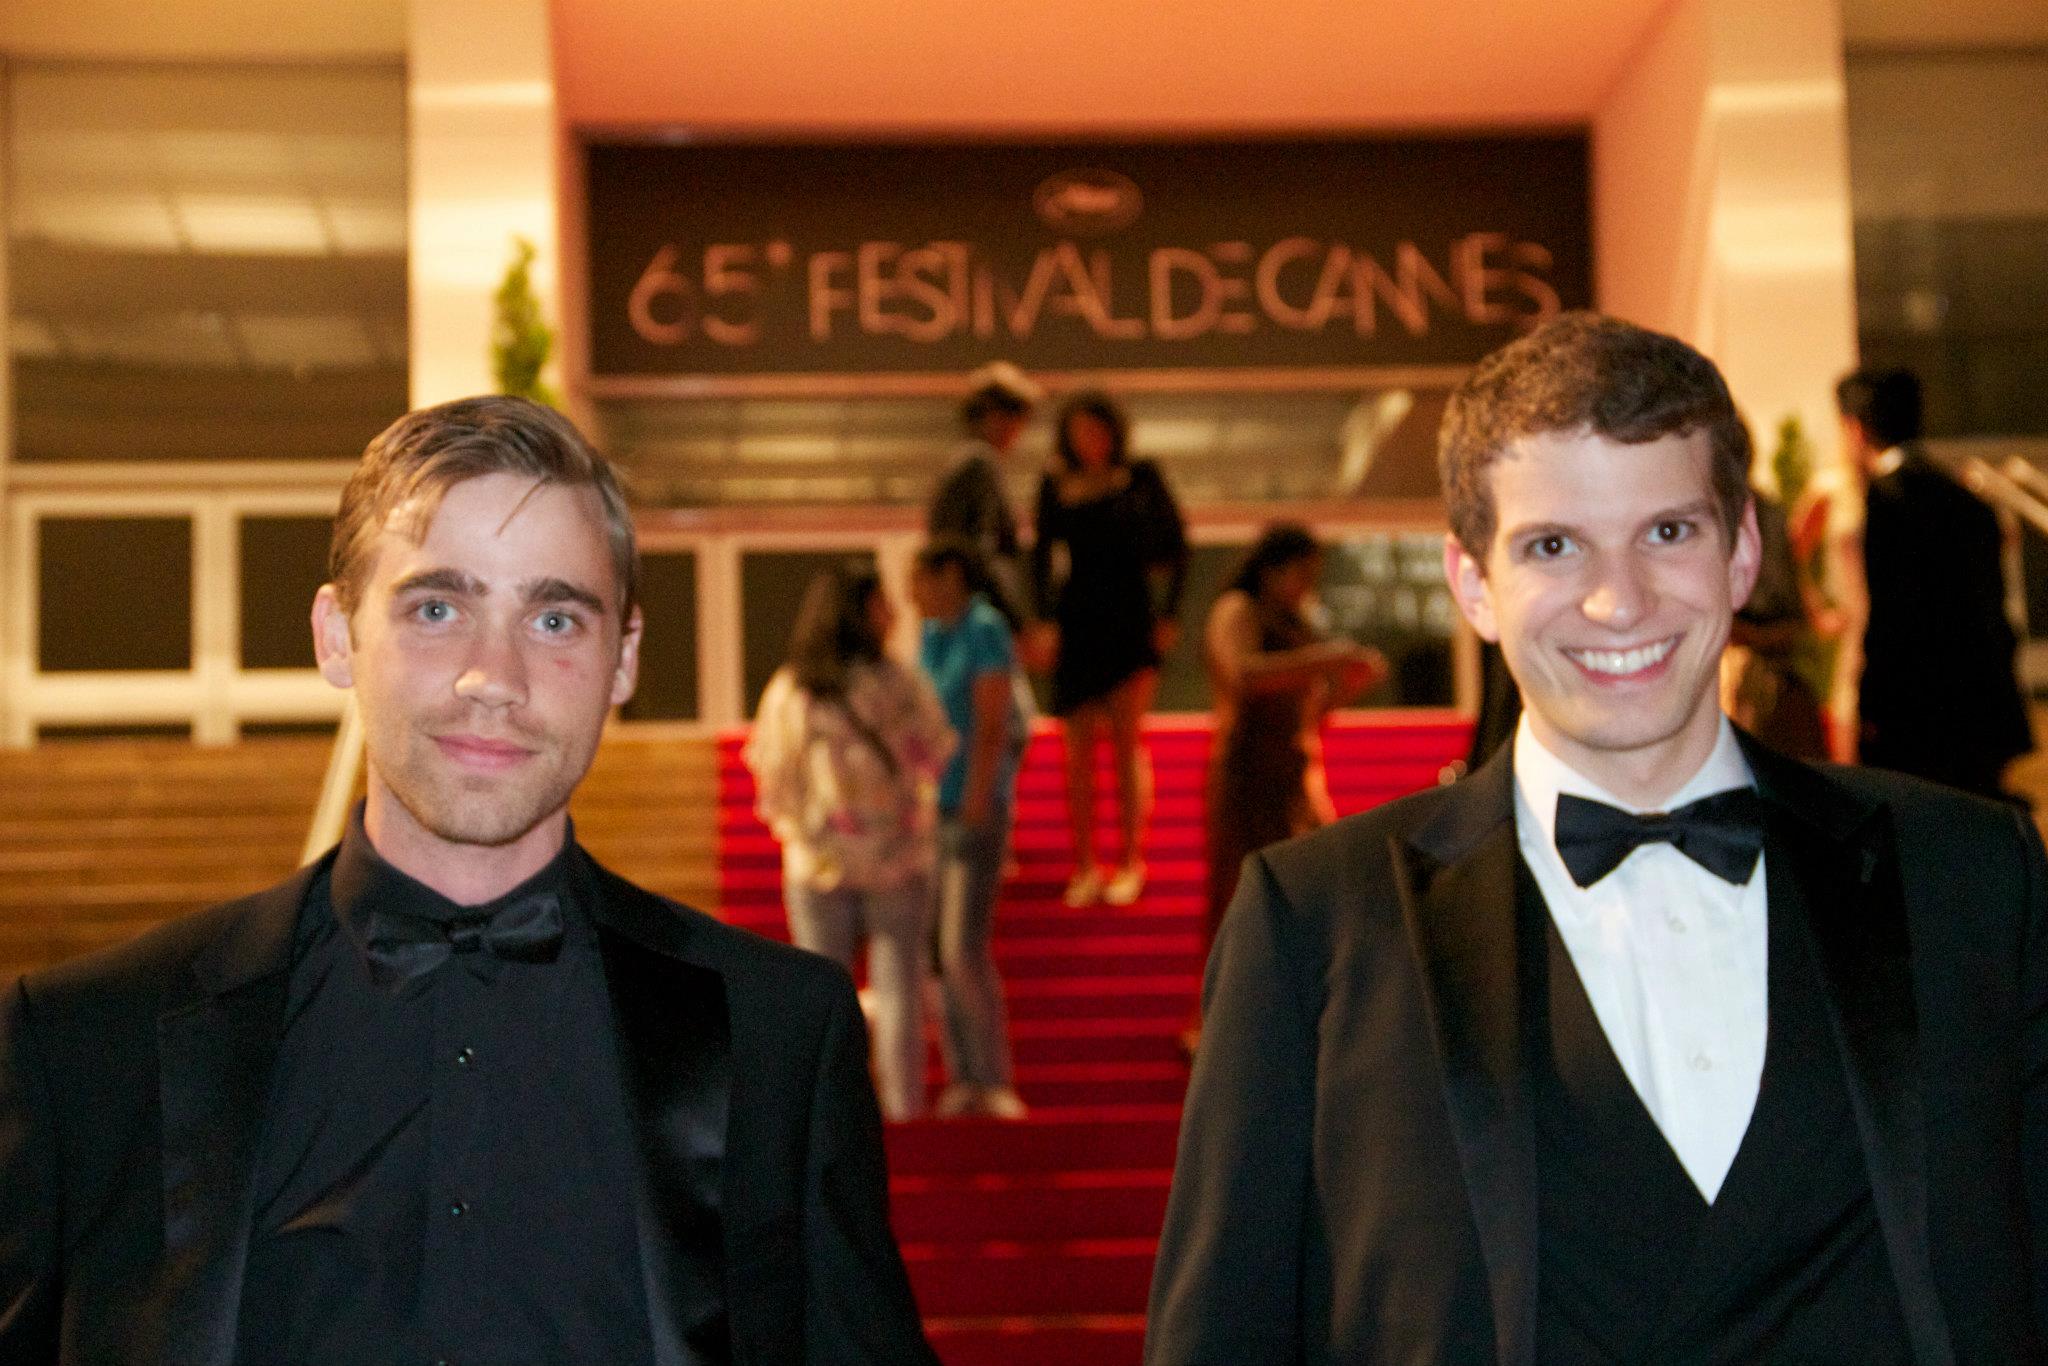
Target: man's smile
(1639,659)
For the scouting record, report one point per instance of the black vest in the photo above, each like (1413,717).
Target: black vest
(1787,1266)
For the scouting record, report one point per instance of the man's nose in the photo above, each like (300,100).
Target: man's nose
(1620,595)
(495,672)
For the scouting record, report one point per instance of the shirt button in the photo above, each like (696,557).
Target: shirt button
(464,1056)
(458,1208)
(1702,1063)
(1677,925)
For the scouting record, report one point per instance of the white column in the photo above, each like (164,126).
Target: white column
(482,171)
(1721,201)
(720,631)
(895,556)
(216,619)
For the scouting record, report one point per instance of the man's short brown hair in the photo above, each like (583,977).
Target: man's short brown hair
(1581,372)
(418,458)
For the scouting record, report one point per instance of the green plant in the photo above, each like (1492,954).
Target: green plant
(521,339)
(1792,462)
(1792,465)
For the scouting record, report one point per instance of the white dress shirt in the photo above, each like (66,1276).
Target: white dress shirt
(1674,960)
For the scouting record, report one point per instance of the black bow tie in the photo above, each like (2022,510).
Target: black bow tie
(402,948)
(1723,834)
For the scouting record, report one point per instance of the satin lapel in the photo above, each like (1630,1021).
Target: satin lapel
(216,1042)
(675,1053)
(1458,879)
(1837,859)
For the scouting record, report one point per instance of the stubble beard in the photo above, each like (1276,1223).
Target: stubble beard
(489,810)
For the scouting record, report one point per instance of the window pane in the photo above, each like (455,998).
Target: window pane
(206,260)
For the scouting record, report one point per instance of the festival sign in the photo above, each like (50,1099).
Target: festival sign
(737,259)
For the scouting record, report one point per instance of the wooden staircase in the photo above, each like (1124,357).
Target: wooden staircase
(101,839)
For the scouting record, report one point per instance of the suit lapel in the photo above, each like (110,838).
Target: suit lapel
(1457,877)
(216,1042)
(675,1054)
(1840,867)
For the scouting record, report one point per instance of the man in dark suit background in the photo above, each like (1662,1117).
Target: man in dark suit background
(454,1093)
(1938,697)
(1642,1044)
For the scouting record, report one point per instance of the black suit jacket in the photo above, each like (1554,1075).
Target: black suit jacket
(132,1092)
(1356,1178)
(1938,696)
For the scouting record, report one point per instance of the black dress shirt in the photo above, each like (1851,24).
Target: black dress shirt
(446,1172)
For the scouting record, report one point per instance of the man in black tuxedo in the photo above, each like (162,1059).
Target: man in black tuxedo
(1938,697)
(970,501)
(1642,1044)
(454,1093)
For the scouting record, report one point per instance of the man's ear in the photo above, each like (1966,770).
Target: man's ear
(1466,576)
(626,677)
(1746,557)
(332,646)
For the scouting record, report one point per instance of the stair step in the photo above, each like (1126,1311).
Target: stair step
(1091,1137)
(1070,1276)
(1163,911)
(1039,1340)
(1056,997)
(1103,1082)
(1029,1206)
(1184,875)
(1100,955)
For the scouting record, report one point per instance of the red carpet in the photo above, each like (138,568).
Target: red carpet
(1033,1242)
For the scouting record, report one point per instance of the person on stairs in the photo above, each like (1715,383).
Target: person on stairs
(846,751)
(1273,677)
(971,501)
(1114,522)
(967,653)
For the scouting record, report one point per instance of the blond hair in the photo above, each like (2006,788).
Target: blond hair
(415,461)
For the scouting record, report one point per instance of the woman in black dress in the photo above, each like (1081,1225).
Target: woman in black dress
(1125,552)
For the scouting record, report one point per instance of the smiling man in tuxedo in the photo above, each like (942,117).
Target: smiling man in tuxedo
(1642,1044)
(454,1093)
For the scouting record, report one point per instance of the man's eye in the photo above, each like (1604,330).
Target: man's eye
(1549,547)
(556,623)
(1671,532)
(434,610)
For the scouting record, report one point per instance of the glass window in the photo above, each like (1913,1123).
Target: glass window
(668,640)
(1238,447)
(1948,160)
(772,587)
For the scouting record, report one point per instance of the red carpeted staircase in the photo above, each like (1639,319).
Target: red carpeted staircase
(1033,1241)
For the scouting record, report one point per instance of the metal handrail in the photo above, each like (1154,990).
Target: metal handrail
(2011,488)
(2022,471)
